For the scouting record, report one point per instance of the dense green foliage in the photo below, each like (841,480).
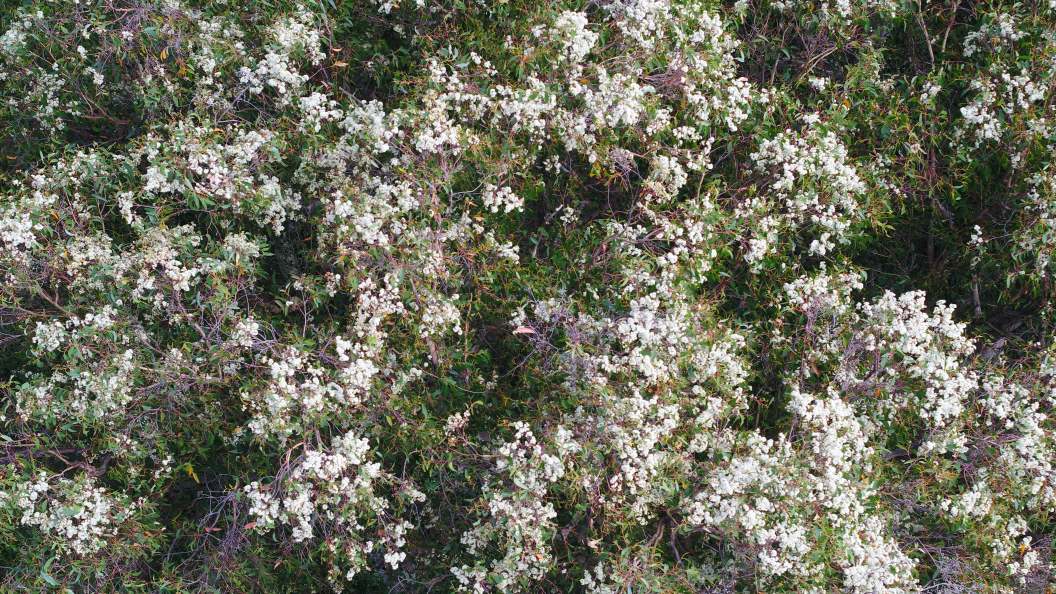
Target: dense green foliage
(510,296)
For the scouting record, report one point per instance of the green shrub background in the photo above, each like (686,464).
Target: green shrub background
(517,295)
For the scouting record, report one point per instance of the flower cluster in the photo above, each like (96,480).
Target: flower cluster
(518,520)
(335,488)
(75,513)
(811,186)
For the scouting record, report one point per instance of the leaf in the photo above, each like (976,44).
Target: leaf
(44,575)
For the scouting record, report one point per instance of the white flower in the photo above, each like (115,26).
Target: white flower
(570,28)
(245,332)
(501,199)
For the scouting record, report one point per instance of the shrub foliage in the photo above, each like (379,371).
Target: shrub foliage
(514,296)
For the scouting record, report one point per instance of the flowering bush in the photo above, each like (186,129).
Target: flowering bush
(627,295)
